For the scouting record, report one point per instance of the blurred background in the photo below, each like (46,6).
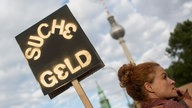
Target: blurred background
(155,30)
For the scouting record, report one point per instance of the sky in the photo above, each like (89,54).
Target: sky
(147,23)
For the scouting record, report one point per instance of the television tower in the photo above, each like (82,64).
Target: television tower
(117,32)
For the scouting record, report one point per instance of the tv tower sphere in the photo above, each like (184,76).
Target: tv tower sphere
(117,31)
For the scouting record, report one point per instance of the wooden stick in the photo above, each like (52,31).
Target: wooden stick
(81,94)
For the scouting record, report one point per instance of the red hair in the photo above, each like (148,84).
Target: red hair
(133,77)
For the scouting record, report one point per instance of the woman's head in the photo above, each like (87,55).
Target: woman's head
(143,81)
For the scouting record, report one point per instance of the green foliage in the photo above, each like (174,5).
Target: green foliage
(180,50)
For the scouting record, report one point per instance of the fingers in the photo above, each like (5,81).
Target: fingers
(180,92)
(183,94)
(187,95)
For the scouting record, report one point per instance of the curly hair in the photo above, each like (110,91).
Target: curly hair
(132,77)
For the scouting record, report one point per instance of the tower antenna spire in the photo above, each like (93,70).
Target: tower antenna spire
(105,7)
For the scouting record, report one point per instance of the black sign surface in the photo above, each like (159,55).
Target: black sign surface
(58,51)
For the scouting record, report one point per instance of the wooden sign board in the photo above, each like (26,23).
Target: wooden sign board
(58,51)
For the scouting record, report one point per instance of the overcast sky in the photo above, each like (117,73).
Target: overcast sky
(147,24)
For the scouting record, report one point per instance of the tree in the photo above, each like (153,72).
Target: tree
(180,50)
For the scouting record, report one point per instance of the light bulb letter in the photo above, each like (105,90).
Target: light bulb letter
(83,54)
(60,27)
(52,79)
(39,31)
